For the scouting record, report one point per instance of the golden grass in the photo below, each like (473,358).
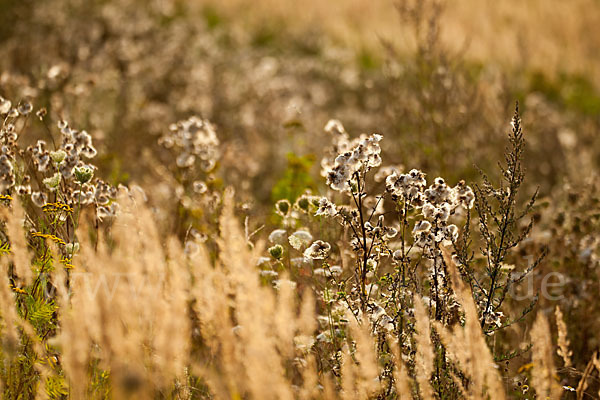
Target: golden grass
(548,35)
(164,295)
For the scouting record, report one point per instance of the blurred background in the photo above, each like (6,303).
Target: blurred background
(439,80)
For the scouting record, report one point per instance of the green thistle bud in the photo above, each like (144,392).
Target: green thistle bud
(282,207)
(276,251)
(303,203)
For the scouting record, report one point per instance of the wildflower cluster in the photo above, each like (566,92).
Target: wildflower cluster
(195,142)
(364,154)
(59,180)
(57,207)
(195,146)
(409,192)
(399,235)
(67,174)
(55,188)
(54,238)
(439,202)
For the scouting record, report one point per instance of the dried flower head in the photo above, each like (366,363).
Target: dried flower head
(196,140)
(318,250)
(39,198)
(5,105)
(300,239)
(278,236)
(24,108)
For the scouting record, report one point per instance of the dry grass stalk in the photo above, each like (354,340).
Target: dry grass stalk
(563,342)
(245,359)
(10,338)
(365,371)
(401,379)
(467,344)
(425,357)
(583,382)
(543,372)
(18,249)
(596,362)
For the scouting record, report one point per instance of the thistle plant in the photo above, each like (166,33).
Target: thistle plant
(394,227)
(397,228)
(195,145)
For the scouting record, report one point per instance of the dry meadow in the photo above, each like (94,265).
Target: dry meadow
(205,199)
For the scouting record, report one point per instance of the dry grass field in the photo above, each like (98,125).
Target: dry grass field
(354,199)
